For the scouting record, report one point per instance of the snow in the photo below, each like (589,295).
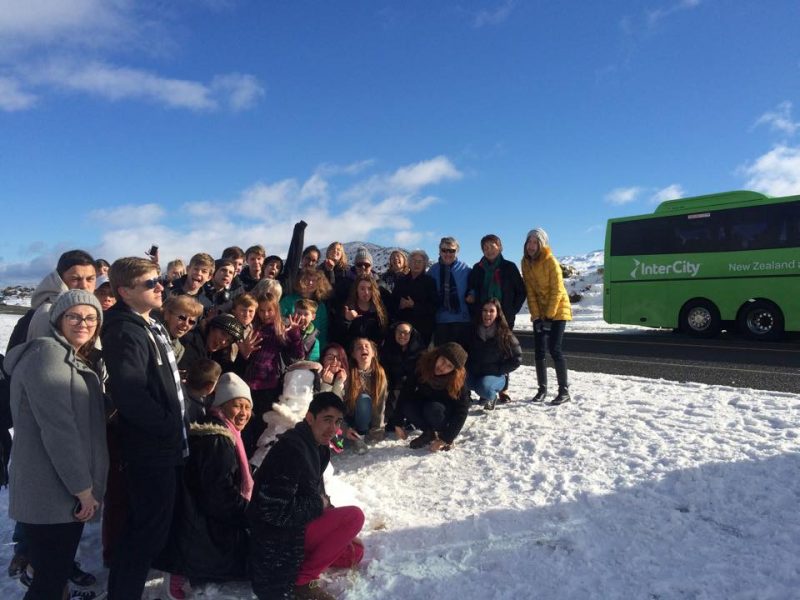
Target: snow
(639,488)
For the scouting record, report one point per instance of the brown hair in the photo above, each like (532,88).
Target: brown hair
(278,322)
(379,384)
(87,352)
(201,259)
(504,333)
(245,299)
(306,304)
(233,253)
(488,239)
(323,290)
(426,373)
(377,302)
(125,271)
(258,250)
(178,264)
(202,372)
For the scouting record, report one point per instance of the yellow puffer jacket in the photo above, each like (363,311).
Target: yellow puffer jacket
(544,284)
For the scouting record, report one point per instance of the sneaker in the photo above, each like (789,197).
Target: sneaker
(17,565)
(541,394)
(360,446)
(175,586)
(563,396)
(489,404)
(81,578)
(86,595)
(26,578)
(311,591)
(422,440)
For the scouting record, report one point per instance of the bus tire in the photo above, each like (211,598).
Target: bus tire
(761,320)
(700,318)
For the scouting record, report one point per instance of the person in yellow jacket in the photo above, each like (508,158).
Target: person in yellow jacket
(550,310)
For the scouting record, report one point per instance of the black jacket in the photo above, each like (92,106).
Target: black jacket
(143,390)
(487,358)
(422,393)
(208,539)
(248,281)
(399,364)
(422,290)
(287,495)
(512,289)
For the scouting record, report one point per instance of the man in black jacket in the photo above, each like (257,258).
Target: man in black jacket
(145,388)
(295,532)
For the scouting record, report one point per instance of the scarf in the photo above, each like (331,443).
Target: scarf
(487,333)
(492,284)
(448,292)
(246,484)
(159,333)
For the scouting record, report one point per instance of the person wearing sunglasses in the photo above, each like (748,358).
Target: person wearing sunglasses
(452,312)
(144,386)
(180,315)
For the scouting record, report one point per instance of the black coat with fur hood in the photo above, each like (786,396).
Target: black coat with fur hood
(209,540)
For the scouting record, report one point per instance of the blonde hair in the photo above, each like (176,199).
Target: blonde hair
(183,304)
(342,262)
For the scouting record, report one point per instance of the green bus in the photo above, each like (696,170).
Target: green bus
(706,263)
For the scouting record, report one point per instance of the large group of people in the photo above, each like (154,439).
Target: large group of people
(142,392)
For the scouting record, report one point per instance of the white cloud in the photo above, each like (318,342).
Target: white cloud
(13,97)
(495,16)
(122,83)
(40,38)
(407,238)
(623,195)
(776,173)
(123,216)
(658,14)
(780,119)
(671,192)
(425,173)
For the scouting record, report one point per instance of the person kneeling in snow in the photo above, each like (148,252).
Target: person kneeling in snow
(295,532)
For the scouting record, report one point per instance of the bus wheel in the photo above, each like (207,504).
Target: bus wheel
(700,318)
(761,320)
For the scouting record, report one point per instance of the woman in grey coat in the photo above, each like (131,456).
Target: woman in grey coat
(59,460)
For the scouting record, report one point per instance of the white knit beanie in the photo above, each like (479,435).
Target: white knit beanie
(231,386)
(70,298)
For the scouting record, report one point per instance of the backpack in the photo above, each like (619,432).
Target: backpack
(20,332)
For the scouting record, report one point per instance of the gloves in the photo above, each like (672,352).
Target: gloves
(542,325)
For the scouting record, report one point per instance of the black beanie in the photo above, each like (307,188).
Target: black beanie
(229,325)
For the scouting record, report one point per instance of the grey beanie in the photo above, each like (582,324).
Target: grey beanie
(231,386)
(71,298)
(540,234)
(454,353)
(363,256)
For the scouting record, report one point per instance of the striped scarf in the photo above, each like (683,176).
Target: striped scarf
(162,338)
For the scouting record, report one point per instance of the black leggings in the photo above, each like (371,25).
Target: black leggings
(51,551)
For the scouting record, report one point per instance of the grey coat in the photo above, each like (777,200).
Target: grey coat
(59,431)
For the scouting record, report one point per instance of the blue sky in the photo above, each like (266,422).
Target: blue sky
(198,124)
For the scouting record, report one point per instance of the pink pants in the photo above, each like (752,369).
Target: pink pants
(330,542)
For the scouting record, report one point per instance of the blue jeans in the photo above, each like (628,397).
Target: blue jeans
(362,416)
(486,386)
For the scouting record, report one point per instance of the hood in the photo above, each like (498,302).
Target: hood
(48,289)
(17,352)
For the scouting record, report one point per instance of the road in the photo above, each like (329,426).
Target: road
(727,360)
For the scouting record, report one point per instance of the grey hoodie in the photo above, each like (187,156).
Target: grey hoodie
(59,431)
(42,300)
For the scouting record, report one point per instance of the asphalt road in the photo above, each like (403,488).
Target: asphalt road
(727,360)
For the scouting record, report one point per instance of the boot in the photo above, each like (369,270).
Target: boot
(311,591)
(541,379)
(422,440)
(489,404)
(563,384)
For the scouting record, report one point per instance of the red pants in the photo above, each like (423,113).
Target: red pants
(330,542)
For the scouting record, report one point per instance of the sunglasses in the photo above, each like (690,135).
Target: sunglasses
(149,284)
(447,250)
(186,319)
(363,265)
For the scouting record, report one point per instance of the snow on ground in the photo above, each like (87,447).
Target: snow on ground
(640,488)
